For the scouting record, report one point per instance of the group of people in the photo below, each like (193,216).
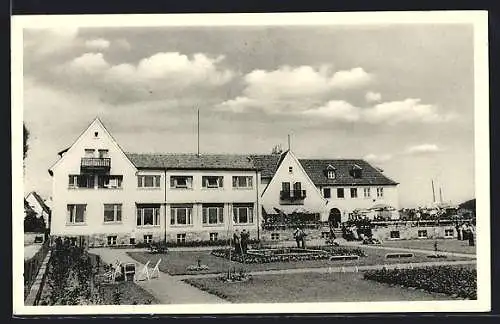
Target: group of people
(466,232)
(241,241)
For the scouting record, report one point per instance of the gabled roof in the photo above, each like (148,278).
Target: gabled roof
(267,163)
(315,169)
(192,161)
(40,201)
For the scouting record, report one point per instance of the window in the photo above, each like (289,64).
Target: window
(340,192)
(132,241)
(212,181)
(290,169)
(356,171)
(76,213)
(297,186)
(148,181)
(242,182)
(103,153)
(109,181)
(96,134)
(112,213)
(243,213)
(330,174)
(112,240)
(181,215)
(448,232)
(181,182)
(275,236)
(148,215)
(394,234)
(354,192)
(89,153)
(380,192)
(422,234)
(285,186)
(148,238)
(327,192)
(366,192)
(181,238)
(213,214)
(81,181)
(214,236)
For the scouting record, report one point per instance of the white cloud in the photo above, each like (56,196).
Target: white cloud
(47,41)
(423,148)
(336,109)
(98,44)
(373,96)
(165,73)
(294,88)
(376,158)
(122,44)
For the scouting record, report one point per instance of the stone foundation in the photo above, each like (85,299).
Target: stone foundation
(412,232)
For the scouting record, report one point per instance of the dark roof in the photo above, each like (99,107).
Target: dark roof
(192,161)
(316,170)
(267,163)
(41,202)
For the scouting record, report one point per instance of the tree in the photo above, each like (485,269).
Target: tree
(26,135)
(277,149)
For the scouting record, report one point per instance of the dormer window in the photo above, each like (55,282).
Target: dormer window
(330,172)
(356,171)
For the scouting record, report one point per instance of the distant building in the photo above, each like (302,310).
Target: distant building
(38,205)
(113,197)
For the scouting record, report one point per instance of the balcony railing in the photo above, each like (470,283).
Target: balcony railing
(95,164)
(293,195)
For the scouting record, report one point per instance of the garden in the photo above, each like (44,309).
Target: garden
(76,277)
(310,287)
(459,282)
(217,260)
(448,245)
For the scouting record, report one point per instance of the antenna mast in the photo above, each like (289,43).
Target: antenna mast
(289,145)
(433,193)
(198,132)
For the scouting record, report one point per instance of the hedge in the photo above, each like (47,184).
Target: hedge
(454,281)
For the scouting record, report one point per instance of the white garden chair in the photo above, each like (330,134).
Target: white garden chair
(155,271)
(111,274)
(143,274)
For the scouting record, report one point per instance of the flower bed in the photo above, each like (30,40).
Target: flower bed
(286,254)
(454,281)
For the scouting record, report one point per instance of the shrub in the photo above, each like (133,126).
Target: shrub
(458,281)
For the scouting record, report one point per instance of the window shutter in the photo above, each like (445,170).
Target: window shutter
(235,182)
(204,215)
(139,181)
(172,182)
(221,182)
(250,184)
(235,212)
(250,214)
(157,181)
(172,216)
(189,182)
(220,212)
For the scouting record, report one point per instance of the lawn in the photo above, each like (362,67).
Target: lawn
(176,262)
(125,293)
(311,287)
(447,245)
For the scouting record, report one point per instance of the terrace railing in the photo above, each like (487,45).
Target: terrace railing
(95,164)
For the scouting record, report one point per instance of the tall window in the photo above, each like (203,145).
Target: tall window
(242,182)
(181,182)
(103,153)
(354,192)
(76,213)
(112,213)
(110,181)
(181,215)
(213,214)
(285,186)
(212,181)
(81,181)
(89,153)
(340,193)
(148,181)
(112,240)
(327,193)
(243,213)
(380,192)
(366,192)
(148,215)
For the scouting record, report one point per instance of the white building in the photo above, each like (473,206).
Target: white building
(39,206)
(113,197)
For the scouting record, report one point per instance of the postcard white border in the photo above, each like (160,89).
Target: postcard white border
(479,19)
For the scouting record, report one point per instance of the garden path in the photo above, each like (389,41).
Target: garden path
(393,248)
(166,289)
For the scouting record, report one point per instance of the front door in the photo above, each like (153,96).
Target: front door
(335,218)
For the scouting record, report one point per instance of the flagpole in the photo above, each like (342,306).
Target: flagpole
(198,133)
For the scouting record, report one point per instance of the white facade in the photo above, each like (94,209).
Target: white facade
(38,208)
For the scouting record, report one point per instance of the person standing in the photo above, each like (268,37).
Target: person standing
(471,235)
(300,238)
(237,242)
(245,236)
(459,232)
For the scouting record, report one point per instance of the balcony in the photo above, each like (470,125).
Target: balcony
(293,195)
(98,165)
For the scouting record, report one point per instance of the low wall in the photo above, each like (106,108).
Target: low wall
(414,232)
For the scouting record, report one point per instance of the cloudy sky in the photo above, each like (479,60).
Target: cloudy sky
(400,96)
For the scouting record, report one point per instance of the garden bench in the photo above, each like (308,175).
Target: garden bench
(343,257)
(398,255)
